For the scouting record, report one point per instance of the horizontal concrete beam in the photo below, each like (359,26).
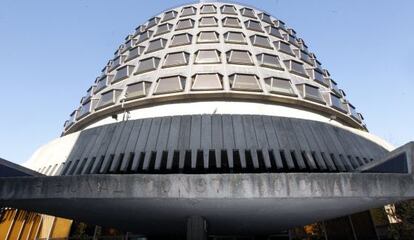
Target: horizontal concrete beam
(263,203)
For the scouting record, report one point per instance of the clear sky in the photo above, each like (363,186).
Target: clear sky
(51,52)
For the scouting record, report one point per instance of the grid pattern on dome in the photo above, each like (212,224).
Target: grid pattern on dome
(210,48)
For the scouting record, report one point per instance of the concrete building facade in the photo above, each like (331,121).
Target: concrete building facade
(211,119)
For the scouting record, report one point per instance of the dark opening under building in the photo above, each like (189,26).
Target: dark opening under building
(211,119)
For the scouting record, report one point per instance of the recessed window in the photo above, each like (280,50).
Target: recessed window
(247,12)
(181,39)
(302,45)
(102,82)
(231,22)
(318,77)
(335,88)
(208,37)
(148,64)
(152,22)
(140,29)
(253,25)
(144,36)
(176,59)
(284,47)
(260,41)
(239,57)
(108,98)
(296,67)
(185,24)
(156,45)
(279,86)
(354,113)
(235,37)
(310,92)
(273,32)
(85,109)
(170,85)
(188,11)
(169,16)
(137,90)
(123,72)
(228,9)
(270,61)
(305,57)
(88,95)
(163,28)
(117,62)
(292,40)
(280,24)
(265,18)
(71,120)
(337,103)
(208,22)
(207,56)
(207,9)
(135,52)
(317,64)
(207,81)
(244,82)
(129,44)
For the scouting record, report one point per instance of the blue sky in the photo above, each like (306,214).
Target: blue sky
(53,50)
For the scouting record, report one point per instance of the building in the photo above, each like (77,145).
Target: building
(211,119)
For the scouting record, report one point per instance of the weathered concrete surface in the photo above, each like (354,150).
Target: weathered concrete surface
(242,202)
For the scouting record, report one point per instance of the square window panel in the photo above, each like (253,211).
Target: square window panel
(253,25)
(122,73)
(153,22)
(270,61)
(135,52)
(207,56)
(163,28)
(337,103)
(207,81)
(231,22)
(279,86)
(156,45)
(244,82)
(102,83)
(181,39)
(108,98)
(185,24)
(239,57)
(169,16)
(116,62)
(228,9)
(208,9)
(208,22)
(208,37)
(137,90)
(318,77)
(305,57)
(84,110)
(129,44)
(148,64)
(248,12)
(176,59)
(260,41)
(311,93)
(296,67)
(335,88)
(284,47)
(354,113)
(144,36)
(265,18)
(170,85)
(235,37)
(188,11)
(274,32)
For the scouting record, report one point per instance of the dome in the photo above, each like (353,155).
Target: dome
(213,51)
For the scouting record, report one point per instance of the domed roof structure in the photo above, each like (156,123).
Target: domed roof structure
(213,51)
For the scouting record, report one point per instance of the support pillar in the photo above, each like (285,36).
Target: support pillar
(196,228)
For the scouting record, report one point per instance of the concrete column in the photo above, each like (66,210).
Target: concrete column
(196,228)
